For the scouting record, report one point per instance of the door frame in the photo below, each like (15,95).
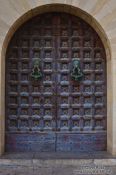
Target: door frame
(110,64)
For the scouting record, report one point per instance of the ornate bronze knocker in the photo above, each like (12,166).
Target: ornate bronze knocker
(36,73)
(76,73)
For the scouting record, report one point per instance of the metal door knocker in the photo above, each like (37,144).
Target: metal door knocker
(36,73)
(76,73)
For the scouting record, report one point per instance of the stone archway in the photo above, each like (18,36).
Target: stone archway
(65,110)
(93,23)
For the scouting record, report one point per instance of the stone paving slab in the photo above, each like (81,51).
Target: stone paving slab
(58,155)
(105,162)
(29,165)
(57,162)
(79,170)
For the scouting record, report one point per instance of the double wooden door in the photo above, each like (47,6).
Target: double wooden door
(54,112)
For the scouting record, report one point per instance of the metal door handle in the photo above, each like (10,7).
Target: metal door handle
(36,74)
(76,72)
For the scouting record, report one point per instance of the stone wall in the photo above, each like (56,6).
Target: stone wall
(100,14)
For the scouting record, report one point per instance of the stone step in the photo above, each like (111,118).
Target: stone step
(56,164)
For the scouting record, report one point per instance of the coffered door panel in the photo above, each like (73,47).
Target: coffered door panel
(81,105)
(46,109)
(30,103)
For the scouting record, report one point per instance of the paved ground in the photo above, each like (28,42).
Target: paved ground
(57,164)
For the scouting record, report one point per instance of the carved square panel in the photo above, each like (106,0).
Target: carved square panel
(25,43)
(63,124)
(98,111)
(63,20)
(98,77)
(87,32)
(47,66)
(87,100)
(25,53)
(36,111)
(64,100)
(87,66)
(24,123)
(98,88)
(36,100)
(76,43)
(64,112)
(36,31)
(97,54)
(48,32)
(64,54)
(25,31)
(36,123)
(76,100)
(47,89)
(99,99)
(13,88)
(13,111)
(98,122)
(76,54)
(64,66)
(48,54)
(75,123)
(25,65)
(97,42)
(87,54)
(24,77)
(13,54)
(24,88)
(87,88)
(47,112)
(64,43)
(36,43)
(47,100)
(14,76)
(24,100)
(98,66)
(48,43)
(76,111)
(87,77)
(87,123)
(64,88)
(48,77)
(88,111)
(64,32)
(24,111)
(13,123)
(64,77)
(76,88)
(35,89)
(47,123)
(36,54)
(47,21)
(13,65)
(87,43)
(75,32)
(13,100)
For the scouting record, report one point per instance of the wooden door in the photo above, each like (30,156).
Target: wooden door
(54,112)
